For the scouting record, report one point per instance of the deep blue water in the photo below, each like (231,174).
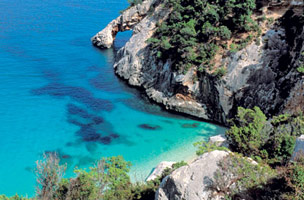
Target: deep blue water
(59,93)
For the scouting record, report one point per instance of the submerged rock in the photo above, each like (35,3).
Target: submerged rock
(66,156)
(194,125)
(78,94)
(149,126)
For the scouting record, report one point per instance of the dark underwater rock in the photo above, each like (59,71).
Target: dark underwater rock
(97,120)
(76,110)
(105,140)
(149,127)
(114,135)
(193,125)
(76,93)
(66,156)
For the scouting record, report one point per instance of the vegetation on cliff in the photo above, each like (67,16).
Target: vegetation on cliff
(195,29)
(236,173)
(273,140)
(271,143)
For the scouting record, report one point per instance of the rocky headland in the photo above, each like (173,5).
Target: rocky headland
(261,74)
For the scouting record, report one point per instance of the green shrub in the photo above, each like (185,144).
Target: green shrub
(49,174)
(246,135)
(301,69)
(178,165)
(234,48)
(153,41)
(108,180)
(117,180)
(285,129)
(165,44)
(270,20)
(237,174)
(294,177)
(220,72)
(15,197)
(224,32)
(252,135)
(82,187)
(243,43)
(262,19)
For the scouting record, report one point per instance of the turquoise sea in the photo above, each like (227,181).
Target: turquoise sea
(59,93)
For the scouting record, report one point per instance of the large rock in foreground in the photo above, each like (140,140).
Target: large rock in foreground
(191,182)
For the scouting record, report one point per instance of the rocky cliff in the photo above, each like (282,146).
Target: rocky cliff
(261,75)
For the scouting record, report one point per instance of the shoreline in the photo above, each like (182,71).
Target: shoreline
(137,174)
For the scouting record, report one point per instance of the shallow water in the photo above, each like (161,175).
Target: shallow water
(59,93)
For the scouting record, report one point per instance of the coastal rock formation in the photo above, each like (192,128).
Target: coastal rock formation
(126,21)
(261,75)
(158,170)
(192,181)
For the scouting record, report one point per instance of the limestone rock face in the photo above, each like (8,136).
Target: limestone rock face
(261,75)
(158,170)
(191,181)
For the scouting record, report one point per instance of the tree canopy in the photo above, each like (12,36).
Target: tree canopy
(191,33)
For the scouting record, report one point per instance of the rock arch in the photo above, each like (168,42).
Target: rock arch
(126,21)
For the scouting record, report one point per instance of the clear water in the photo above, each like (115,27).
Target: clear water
(58,93)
